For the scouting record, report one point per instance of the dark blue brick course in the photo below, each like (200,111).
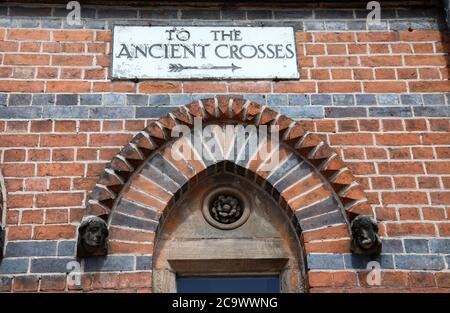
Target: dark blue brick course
(420,262)
(416,245)
(325,261)
(109,263)
(50,265)
(360,261)
(30,248)
(13,266)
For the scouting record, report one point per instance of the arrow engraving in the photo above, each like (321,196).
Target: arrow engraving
(177,67)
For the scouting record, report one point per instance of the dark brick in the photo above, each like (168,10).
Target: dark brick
(50,265)
(366,100)
(434,99)
(29,11)
(5,282)
(139,100)
(333,14)
(144,263)
(87,99)
(301,112)
(159,99)
(360,261)
(321,220)
(20,112)
(85,12)
(438,111)
(259,14)
(231,14)
(325,261)
(13,266)
(204,14)
(114,99)
(293,14)
(133,209)
(116,13)
(165,167)
(416,245)
(283,169)
(160,14)
(43,99)
(65,112)
(111,112)
(296,99)
(342,99)
(419,262)
(180,99)
(299,171)
(67,99)
(19,99)
(328,205)
(392,246)
(411,99)
(67,248)
(390,112)
(388,99)
(109,263)
(156,175)
(385,13)
(320,99)
(440,246)
(128,221)
(337,112)
(3,99)
(153,112)
(30,248)
(277,100)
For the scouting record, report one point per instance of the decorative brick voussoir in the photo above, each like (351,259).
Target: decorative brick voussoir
(147,191)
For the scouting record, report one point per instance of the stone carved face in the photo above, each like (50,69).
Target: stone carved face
(365,239)
(93,233)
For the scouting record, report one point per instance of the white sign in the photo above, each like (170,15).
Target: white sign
(204,52)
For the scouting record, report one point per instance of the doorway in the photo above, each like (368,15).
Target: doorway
(255,249)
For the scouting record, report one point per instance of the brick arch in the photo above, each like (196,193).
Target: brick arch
(133,177)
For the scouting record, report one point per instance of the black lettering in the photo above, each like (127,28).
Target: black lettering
(175,49)
(217,51)
(261,52)
(187,49)
(269,49)
(278,52)
(150,51)
(291,53)
(248,47)
(139,49)
(124,52)
(233,52)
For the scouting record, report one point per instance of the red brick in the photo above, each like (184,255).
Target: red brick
(26,59)
(404,197)
(59,199)
(159,87)
(73,35)
(28,34)
(410,229)
(54,232)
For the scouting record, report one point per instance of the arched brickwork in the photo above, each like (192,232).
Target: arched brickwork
(144,180)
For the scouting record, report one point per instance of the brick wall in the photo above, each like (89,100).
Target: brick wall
(379,96)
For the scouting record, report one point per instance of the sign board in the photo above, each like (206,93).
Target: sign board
(147,52)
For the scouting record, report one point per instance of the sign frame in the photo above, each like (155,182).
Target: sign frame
(137,79)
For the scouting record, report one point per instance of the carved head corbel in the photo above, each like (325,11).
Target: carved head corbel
(365,239)
(92,237)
